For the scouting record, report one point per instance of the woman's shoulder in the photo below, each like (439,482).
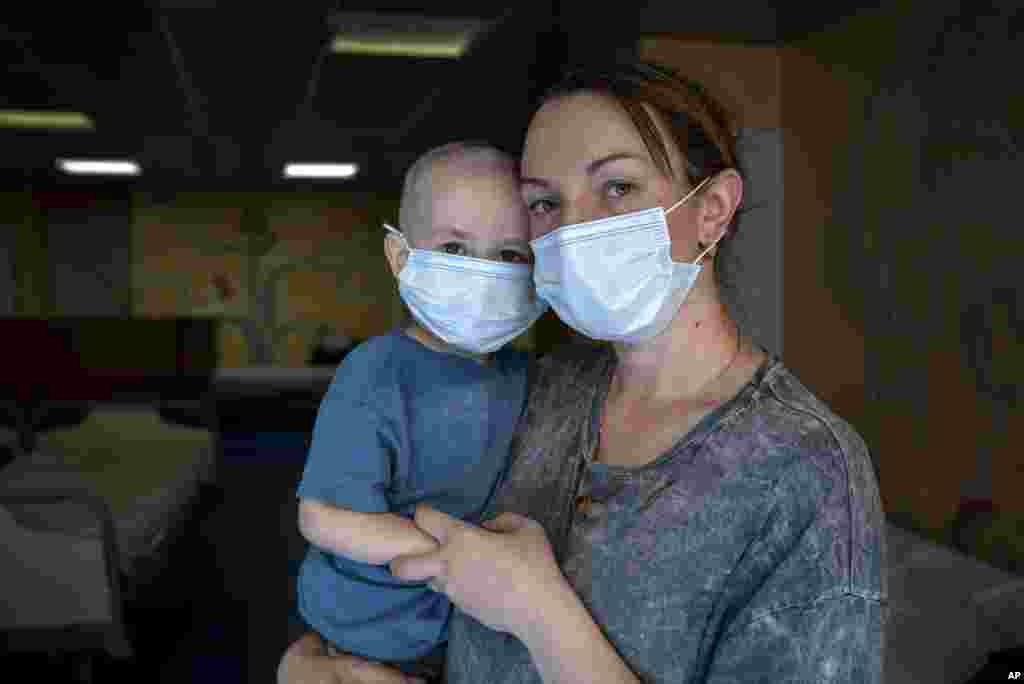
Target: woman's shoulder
(571,362)
(788,432)
(824,466)
(797,411)
(824,452)
(563,383)
(566,376)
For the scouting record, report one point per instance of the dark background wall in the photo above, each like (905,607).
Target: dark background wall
(903,301)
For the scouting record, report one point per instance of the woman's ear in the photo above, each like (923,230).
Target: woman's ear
(396,253)
(718,204)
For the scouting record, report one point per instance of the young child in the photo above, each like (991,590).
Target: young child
(423,414)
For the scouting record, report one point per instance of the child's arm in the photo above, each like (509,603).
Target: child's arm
(374,538)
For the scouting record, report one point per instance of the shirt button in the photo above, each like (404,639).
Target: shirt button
(583,504)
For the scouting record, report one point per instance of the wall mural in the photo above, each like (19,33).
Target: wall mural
(280,275)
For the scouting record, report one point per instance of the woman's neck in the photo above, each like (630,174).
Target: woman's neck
(432,341)
(681,363)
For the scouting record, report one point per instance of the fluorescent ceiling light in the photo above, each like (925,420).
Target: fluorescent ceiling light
(409,47)
(19,118)
(402,35)
(99,167)
(320,170)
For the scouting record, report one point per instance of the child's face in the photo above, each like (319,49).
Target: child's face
(479,215)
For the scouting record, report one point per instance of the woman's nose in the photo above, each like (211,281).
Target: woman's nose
(578,214)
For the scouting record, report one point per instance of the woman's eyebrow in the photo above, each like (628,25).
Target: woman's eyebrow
(592,168)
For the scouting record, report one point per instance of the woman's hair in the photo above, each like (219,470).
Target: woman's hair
(702,128)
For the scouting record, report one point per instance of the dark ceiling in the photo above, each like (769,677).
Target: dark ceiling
(210,94)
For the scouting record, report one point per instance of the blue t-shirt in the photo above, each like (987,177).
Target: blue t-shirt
(402,424)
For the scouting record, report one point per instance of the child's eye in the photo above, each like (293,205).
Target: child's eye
(514,257)
(540,206)
(453,248)
(618,189)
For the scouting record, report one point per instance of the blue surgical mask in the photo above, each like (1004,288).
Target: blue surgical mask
(475,305)
(614,278)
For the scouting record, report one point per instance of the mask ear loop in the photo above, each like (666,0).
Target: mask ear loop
(690,194)
(397,232)
(709,247)
(401,236)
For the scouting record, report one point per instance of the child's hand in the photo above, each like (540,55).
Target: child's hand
(374,538)
(305,662)
(417,544)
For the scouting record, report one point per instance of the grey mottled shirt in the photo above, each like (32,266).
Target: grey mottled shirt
(751,551)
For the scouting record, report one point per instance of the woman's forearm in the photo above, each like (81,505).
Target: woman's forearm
(374,538)
(568,647)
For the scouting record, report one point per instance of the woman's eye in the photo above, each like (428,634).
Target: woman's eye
(618,189)
(452,248)
(540,206)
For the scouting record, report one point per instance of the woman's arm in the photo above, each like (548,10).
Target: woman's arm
(568,647)
(506,577)
(375,538)
(839,639)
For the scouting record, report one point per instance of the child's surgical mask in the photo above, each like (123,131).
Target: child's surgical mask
(475,305)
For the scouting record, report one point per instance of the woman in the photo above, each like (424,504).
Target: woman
(679,507)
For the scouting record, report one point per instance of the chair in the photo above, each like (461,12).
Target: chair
(947,611)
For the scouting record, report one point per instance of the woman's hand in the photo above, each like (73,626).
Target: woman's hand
(306,662)
(503,574)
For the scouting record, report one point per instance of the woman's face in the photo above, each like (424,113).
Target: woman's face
(584,160)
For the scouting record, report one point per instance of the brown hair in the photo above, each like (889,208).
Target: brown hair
(703,129)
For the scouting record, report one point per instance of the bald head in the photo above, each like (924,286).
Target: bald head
(435,174)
